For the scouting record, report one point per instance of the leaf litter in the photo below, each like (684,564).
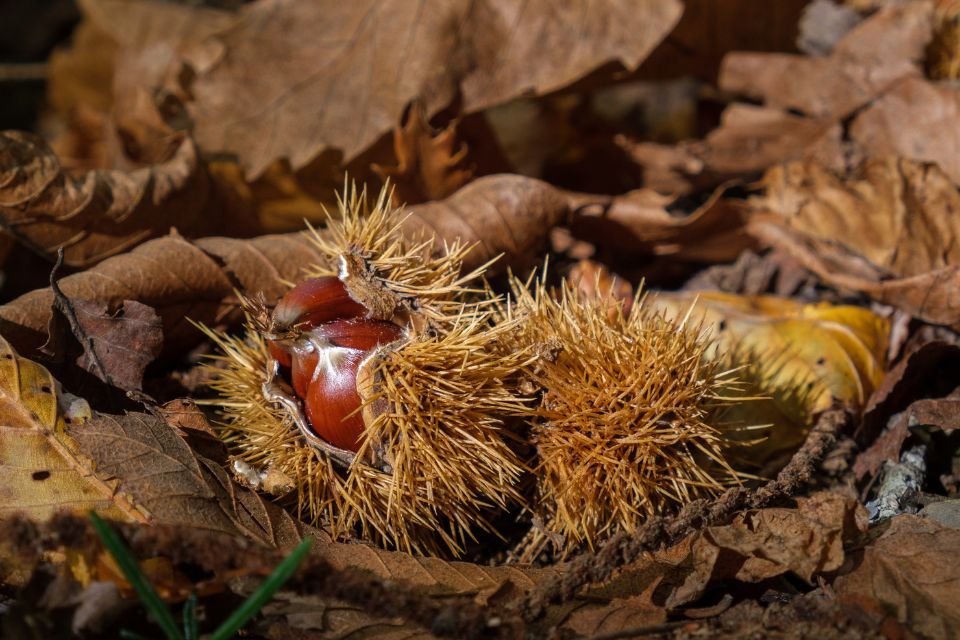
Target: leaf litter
(805,194)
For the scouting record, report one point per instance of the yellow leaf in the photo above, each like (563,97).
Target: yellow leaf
(41,471)
(840,349)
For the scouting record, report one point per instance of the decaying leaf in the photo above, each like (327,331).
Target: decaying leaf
(266,97)
(430,164)
(889,231)
(102,213)
(640,222)
(911,569)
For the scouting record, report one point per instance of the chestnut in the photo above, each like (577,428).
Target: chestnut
(331,339)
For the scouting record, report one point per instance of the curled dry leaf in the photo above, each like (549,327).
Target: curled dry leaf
(266,98)
(117,346)
(760,544)
(430,163)
(102,213)
(180,279)
(640,222)
(839,352)
(890,231)
(911,569)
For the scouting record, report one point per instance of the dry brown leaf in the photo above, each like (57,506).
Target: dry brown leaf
(912,570)
(757,545)
(430,163)
(639,222)
(179,278)
(751,138)
(102,213)
(890,232)
(709,29)
(915,119)
(269,95)
(147,462)
(116,345)
(870,58)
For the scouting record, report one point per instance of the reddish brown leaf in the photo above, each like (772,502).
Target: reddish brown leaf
(761,544)
(267,96)
(912,570)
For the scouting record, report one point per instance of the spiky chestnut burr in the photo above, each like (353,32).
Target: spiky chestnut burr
(623,428)
(433,458)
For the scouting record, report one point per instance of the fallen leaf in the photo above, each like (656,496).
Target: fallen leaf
(914,119)
(750,138)
(180,279)
(640,222)
(912,570)
(888,231)
(839,351)
(117,346)
(942,414)
(41,470)
(266,97)
(930,369)
(103,213)
(143,458)
(430,163)
(806,541)
(870,58)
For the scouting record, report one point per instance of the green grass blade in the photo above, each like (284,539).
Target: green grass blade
(261,596)
(131,570)
(131,635)
(191,630)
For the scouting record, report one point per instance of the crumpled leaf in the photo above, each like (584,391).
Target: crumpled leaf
(116,346)
(888,232)
(912,570)
(265,97)
(102,213)
(639,222)
(760,544)
(940,413)
(837,352)
(430,164)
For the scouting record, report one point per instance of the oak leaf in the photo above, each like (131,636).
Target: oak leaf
(290,84)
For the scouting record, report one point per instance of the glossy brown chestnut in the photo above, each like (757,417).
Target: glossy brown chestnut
(314,302)
(324,358)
